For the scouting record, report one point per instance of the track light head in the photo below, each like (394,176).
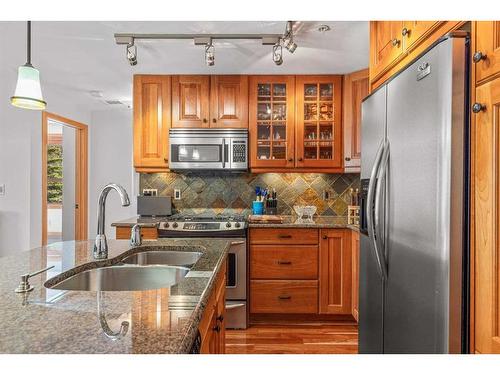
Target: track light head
(278,54)
(132,53)
(287,39)
(210,54)
(290,45)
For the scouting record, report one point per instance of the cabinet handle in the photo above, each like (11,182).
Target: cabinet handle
(284,262)
(214,120)
(395,42)
(478,107)
(284,297)
(325,237)
(347,158)
(220,318)
(285,236)
(478,56)
(405,31)
(205,120)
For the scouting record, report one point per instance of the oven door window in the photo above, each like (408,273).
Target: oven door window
(197,153)
(231,270)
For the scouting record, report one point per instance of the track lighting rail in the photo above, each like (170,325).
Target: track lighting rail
(267,39)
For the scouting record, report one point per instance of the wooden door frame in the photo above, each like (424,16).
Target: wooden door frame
(81,195)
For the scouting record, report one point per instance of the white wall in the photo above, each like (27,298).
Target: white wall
(111,155)
(69,183)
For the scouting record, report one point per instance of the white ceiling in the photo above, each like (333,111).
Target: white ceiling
(79,57)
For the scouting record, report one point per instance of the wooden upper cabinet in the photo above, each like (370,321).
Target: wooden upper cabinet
(486,223)
(385,45)
(151,122)
(271,121)
(190,101)
(413,32)
(318,122)
(488,44)
(229,101)
(356,87)
(335,271)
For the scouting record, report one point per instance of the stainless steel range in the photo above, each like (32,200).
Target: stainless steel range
(234,227)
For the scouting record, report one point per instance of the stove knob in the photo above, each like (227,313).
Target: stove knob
(175,225)
(228,225)
(237,224)
(166,225)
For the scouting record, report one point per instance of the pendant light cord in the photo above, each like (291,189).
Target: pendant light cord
(28,53)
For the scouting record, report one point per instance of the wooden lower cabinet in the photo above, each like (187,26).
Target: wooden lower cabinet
(212,326)
(296,271)
(148,233)
(335,271)
(486,158)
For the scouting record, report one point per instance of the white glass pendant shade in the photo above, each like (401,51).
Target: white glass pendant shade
(28,92)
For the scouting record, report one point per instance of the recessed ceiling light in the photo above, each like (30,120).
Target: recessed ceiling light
(324,28)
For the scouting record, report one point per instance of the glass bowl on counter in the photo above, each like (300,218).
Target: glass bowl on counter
(305,212)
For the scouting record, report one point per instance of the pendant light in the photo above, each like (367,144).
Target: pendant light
(28,92)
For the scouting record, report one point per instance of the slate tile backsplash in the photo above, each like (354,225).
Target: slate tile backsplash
(219,193)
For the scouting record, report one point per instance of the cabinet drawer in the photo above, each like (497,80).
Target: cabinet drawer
(283,262)
(296,236)
(272,296)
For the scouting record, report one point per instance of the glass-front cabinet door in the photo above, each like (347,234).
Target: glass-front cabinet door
(271,120)
(318,122)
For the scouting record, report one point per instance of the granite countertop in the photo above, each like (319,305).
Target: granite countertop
(53,321)
(145,222)
(290,221)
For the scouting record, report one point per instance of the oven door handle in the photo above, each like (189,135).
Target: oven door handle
(234,306)
(237,243)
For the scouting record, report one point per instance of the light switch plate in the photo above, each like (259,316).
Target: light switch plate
(177,194)
(2,190)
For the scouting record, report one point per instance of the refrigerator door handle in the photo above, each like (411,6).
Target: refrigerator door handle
(378,193)
(369,208)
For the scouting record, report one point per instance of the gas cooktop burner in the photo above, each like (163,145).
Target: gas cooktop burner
(192,225)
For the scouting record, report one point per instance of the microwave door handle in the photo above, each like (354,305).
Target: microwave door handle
(223,153)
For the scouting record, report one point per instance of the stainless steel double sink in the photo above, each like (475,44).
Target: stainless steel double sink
(140,271)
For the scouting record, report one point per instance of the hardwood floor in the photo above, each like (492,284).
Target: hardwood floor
(341,338)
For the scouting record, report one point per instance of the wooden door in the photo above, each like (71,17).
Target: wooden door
(335,274)
(488,43)
(151,122)
(356,87)
(487,217)
(355,274)
(272,121)
(229,101)
(190,101)
(385,45)
(318,122)
(413,32)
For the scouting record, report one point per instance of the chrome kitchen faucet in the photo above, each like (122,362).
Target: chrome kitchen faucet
(101,244)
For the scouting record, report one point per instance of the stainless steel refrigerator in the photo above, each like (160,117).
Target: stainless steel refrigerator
(414,207)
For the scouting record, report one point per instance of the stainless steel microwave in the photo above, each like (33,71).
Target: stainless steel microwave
(208,149)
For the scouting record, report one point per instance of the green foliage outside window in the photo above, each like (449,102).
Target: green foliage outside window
(54,174)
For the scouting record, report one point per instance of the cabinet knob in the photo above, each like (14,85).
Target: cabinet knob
(216,328)
(405,31)
(165,160)
(395,42)
(290,160)
(300,159)
(478,107)
(325,236)
(220,318)
(478,56)
(214,120)
(205,120)
(347,158)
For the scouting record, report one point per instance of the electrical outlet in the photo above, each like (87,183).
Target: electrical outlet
(2,190)
(327,195)
(150,192)
(177,194)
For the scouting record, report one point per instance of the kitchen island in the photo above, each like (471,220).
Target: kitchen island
(54,321)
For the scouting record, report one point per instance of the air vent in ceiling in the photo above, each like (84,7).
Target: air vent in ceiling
(113,102)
